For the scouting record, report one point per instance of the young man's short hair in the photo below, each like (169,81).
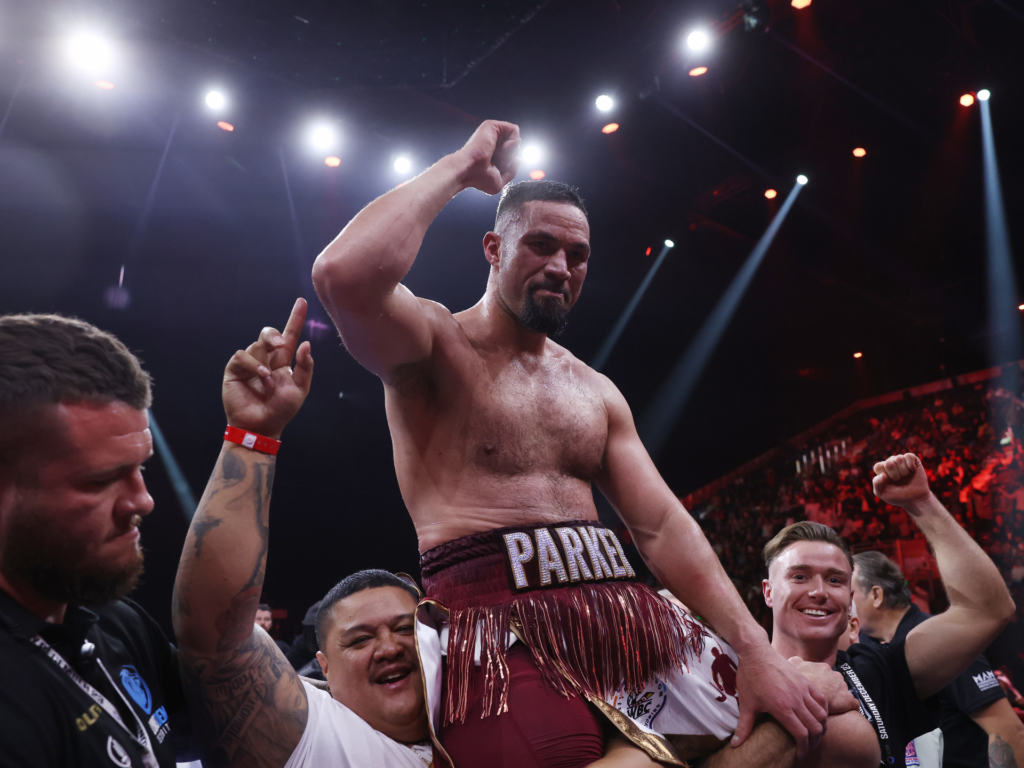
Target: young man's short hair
(876,570)
(805,530)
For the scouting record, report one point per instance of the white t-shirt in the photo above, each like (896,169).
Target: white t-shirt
(336,737)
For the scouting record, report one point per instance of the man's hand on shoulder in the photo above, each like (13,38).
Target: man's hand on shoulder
(901,481)
(830,683)
(766,682)
(491,157)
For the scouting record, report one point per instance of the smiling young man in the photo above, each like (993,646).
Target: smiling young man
(500,435)
(809,589)
(88,677)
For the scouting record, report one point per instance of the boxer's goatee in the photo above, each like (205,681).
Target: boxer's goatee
(548,316)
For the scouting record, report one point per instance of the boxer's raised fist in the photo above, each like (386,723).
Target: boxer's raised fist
(491,156)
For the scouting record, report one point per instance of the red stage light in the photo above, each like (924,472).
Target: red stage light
(106,85)
(770,194)
(858,355)
(859,152)
(225,126)
(332,162)
(698,71)
(537,175)
(610,128)
(649,253)
(966,100)
(798,4)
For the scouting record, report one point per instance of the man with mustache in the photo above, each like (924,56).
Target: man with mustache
(88,678)
(499,435)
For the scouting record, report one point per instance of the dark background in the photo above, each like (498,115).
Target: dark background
(883,255)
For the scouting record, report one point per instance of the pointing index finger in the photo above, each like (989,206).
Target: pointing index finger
(293,330)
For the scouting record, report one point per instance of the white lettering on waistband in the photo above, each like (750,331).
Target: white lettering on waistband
(520,550)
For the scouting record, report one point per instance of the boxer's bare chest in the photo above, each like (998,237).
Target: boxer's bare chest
(513,415)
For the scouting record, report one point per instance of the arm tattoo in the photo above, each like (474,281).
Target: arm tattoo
(249,706)
(1000,754)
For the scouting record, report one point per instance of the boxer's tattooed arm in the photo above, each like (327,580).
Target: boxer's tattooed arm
(248,704)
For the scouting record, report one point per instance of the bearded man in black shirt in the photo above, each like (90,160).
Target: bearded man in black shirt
(88,678)
(809,589)
(976,718)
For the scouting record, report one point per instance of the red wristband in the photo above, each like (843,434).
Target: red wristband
(252,441)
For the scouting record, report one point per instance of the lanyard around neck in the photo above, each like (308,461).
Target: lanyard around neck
(140,737)
(869,710)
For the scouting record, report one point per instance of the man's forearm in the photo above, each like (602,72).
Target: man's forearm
(700,581)
(220,576)
(769,746)
(377,248)
(971,578)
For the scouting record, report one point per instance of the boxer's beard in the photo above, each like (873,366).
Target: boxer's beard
(51,562)
(546,315)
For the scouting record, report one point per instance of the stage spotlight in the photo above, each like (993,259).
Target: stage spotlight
(90,52)
(697,40)
(798,4)
(106,85)
(649,253)
(403,164)
(859,152)
(530,154)
(983,94)
(610,128)
(858,355)
(604,103)
(669,244)
(770,194)
(225,126)
(332,161)
(1021,307)
(322,137)
(966,100)
(801,179)
(537,175)
(698,71)
(215,100)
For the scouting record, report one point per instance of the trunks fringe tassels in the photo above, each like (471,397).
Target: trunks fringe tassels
(570,633)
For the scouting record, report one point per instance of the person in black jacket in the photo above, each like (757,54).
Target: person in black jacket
(88,678)
(976,717)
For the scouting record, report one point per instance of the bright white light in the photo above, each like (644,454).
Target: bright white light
(669,244)
(801,179)
(90,52)
(215,100)
(322,137)
(983,94)
(697,40)
(531,154)
(403,164)
(604,103)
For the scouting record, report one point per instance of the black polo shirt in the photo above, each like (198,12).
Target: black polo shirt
(965,743)
(48,720)
(881,681)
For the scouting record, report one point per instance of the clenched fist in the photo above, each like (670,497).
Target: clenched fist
(491,156)
(901,481)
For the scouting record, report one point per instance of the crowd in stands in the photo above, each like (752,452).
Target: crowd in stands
(969,438)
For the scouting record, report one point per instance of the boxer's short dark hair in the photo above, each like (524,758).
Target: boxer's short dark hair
(357,582)
(876,570)
(51,359)
(517,194)
(805,530)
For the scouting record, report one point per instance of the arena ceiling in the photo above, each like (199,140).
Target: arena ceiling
(882,255)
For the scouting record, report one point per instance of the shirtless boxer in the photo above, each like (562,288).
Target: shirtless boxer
(249,705)
(499,434)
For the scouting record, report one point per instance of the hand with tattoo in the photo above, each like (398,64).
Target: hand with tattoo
(261,391)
